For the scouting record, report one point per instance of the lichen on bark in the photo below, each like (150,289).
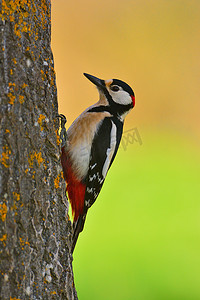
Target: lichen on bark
(35,231)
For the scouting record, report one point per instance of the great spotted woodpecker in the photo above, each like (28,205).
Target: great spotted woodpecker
(92,142)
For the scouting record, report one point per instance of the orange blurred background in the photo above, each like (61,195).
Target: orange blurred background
(152,45)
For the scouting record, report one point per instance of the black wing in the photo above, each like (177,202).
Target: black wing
(104,148)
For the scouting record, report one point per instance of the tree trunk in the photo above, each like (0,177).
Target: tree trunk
(35,231)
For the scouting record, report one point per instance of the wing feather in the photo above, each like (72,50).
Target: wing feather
(103,151)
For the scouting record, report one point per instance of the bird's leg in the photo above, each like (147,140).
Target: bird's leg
(63,133)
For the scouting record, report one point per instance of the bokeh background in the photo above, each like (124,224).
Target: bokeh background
(142,236)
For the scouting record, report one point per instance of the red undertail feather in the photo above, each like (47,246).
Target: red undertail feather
(75,188)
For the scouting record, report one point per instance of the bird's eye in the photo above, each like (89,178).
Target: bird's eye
(114,88)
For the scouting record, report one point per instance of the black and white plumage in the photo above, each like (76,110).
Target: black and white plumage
(92,143)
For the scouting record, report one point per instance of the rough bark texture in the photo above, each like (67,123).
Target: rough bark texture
(35,232)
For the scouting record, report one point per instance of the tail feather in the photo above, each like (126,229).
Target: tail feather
(78,227)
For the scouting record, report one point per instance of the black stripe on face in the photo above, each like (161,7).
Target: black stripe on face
(114,109)
(101,108)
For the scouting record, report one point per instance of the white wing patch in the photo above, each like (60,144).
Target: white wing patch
(91,178)
(92,167)
(111,150)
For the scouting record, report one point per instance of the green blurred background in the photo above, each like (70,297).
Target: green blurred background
(142,236)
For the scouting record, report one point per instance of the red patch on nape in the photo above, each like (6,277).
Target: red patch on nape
(75,188)
(133,100)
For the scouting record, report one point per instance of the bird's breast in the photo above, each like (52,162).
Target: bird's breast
(80,136)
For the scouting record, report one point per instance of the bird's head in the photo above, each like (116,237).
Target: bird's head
(118,94)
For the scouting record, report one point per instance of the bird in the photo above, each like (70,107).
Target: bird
(92,142)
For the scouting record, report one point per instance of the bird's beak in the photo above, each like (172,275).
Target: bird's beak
(98,82)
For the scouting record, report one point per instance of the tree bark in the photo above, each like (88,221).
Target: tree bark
(35,231)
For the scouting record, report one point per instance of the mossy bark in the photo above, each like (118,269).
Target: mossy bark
(35,232)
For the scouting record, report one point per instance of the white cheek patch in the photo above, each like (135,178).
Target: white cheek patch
(121,97)
(111,150)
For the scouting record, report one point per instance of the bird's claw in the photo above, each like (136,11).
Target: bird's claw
(63,132)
